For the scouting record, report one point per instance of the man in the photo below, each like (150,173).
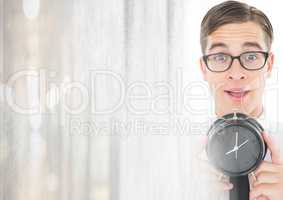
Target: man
(236,43)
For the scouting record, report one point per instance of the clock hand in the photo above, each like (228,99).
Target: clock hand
(236,143)
(236,148)
(242,144)
(231,151)
(236,153)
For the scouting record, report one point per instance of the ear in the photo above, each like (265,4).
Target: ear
(203,69)
(270,62)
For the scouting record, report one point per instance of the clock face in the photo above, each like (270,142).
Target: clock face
(235,149)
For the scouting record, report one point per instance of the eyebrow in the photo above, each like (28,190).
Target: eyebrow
(218,44)
(252,44)
(246,44)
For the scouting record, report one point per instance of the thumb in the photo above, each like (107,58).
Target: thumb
(274,149)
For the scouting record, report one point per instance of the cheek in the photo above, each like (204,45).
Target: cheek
(257,94)
(216,80)
(257,81)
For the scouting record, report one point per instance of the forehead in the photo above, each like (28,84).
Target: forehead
(237,37)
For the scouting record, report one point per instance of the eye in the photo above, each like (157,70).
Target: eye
(251,57)
(220,58)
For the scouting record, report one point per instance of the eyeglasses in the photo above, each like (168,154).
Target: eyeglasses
(221,62)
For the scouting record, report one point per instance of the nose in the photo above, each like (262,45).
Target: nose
(236,71)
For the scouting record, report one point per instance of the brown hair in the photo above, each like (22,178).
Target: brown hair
(233,12)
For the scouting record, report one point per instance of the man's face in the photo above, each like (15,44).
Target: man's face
(237,88)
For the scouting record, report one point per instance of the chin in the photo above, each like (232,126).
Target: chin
(228,106)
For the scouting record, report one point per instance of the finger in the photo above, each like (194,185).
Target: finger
(225,186)
(262,198)
(221,185)
(207,168)
(200,148)
(252,179)
(266,167)
(215,178)
(266,177)
(263,189)
(274,149)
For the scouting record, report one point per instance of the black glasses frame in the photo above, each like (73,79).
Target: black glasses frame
(266,55)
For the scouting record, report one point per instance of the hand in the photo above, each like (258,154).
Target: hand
(269,175)
(216,179)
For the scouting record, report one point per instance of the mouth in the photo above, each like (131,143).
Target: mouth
(237,94)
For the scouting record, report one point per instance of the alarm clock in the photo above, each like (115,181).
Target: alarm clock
(235,144)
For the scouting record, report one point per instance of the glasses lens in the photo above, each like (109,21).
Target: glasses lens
(218,62)
(253,60)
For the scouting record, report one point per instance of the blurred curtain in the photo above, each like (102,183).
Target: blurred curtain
(54,144)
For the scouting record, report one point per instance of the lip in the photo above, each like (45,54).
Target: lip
(237,94)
